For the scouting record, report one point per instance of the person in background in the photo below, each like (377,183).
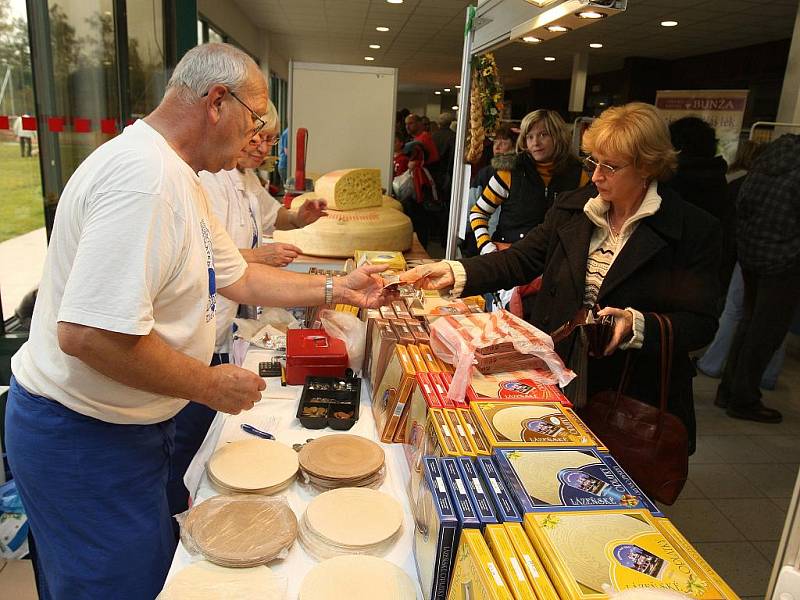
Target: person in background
(628,244)
(543,168)
(423,208)
(700,178)
(712,363)
(426,123)
(416,129)
(768,247)
(283,158)
(445,140)
(248,213)
(400,158)
(124,326)
(25,137)
(503,158)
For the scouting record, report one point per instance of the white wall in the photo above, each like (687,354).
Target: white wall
(419,103)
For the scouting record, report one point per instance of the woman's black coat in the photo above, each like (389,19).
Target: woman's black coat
(669,265)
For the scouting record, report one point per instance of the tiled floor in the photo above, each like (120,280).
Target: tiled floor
(740,482)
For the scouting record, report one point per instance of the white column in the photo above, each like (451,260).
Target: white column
(577,88)
(789,107)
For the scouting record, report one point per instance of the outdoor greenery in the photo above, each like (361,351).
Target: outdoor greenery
(20,193)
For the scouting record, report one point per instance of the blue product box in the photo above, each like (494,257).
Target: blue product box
(477,490)
(506,508)
(465,509)
(570,479)
(436,532)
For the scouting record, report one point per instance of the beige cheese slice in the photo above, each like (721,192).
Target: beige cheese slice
(387,201)
(349,189)
(340,234)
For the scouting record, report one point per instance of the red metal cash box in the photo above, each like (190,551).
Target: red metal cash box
(313,352)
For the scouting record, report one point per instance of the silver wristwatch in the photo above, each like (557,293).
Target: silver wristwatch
(328,289)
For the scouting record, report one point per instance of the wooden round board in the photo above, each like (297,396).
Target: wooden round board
(206,581)
(341,456)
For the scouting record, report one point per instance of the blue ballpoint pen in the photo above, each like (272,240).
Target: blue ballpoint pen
(247,428)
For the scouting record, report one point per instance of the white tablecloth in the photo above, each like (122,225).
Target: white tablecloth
(276,414)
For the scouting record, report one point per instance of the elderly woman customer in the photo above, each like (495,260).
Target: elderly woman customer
(626,243)
(527,185)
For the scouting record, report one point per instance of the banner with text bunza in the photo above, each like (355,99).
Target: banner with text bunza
(723,109)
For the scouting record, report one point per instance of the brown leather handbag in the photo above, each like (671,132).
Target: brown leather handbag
(651,444)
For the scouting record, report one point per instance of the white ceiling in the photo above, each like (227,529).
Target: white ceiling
(425,40)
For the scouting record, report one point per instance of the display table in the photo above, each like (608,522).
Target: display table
(276,414)
(302,262)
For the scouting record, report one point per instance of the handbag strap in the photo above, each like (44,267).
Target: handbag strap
(666,346)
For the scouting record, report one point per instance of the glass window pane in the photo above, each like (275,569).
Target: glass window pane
(146,75)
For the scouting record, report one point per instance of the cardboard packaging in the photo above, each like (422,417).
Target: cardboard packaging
(422,398)
(501,497)
(390,396)
(382,343)
(482,447)
(570,479)
(465,444)
(430,358)
(533,567)
(513,385)
(475,487)
(627,549)
(313,352)
(436,532)
(17,580)
(402,331)
(510,565)
(462,500)
(532,424)
(475,572)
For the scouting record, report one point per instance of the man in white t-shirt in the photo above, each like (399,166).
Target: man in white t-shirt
(124,327)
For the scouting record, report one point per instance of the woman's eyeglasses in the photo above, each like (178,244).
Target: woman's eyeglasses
(591,164)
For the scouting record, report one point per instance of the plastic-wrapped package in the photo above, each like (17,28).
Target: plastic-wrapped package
(242,530)
(206,581)
(456,339)
(351,330)
(373,481)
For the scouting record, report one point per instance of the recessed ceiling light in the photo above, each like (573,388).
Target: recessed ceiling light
(375,46)
(531,39)
(381,28)
(454,107)
(438,93)
(369,58)
(557,28)
(541,3)
(446,89)
(591,14)
(595,45)
(395,1)
(458,87)
(550,58)
(517,68)
(669,23)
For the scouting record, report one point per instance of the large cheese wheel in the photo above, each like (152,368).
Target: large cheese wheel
(340,234)
(349,189)
(387,201)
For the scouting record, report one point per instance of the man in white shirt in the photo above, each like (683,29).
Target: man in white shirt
(124,327)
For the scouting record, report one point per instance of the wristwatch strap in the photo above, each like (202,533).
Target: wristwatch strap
(329,289)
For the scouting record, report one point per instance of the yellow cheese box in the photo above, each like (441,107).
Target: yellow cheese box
(465,444)
(510,565)
(420,366)
(508,424)
(473,432)
(430,358)
(533,567)
(390,396)
(626,549)
(476,576)
(439,439)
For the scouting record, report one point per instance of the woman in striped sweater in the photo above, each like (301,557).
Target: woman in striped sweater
(543,168)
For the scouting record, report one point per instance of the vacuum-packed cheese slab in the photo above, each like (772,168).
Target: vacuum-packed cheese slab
(348,189)
(340,234)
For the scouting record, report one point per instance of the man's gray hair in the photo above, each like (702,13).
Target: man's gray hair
(446,118)
(211,64)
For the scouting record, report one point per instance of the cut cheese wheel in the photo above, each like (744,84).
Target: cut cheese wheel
(348,189)
(340,234)
(387,201)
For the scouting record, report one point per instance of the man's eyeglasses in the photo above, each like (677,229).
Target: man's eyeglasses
(590,164)
(259,123)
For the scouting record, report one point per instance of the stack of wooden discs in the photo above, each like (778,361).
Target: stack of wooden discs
(243,530)
(252,467)
(350,521)
(342,460)
(357,578)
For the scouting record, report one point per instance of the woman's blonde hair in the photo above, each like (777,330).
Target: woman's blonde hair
(637,133)
(272,122)
(554,125)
